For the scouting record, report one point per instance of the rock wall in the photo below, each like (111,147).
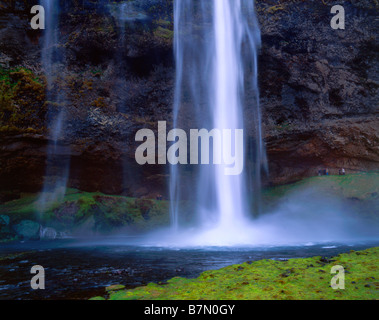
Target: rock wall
(319,92)
(319,88)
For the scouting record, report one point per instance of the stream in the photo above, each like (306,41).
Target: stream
(81,269)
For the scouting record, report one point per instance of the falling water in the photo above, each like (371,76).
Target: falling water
(216,45)
(57,168)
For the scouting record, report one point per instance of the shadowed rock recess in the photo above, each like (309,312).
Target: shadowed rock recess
(319,92)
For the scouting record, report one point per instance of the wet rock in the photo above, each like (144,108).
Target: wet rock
(5,229)
(4,220)
(48,234)
(62,235)
(28,230)
(326,260)
(286,274)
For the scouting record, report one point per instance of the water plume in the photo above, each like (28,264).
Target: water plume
(216,49)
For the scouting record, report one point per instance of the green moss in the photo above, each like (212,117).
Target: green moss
(300,279)
(4,257)
(114,288)
(21,209)
(22,97)
(285,127)
(97,299)
(164,33)
(107,213)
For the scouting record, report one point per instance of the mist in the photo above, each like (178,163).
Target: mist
(303,218)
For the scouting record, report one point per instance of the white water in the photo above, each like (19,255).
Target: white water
(227,77)
(216,45)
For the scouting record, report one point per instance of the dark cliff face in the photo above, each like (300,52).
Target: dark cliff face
(319,88)
(319,91)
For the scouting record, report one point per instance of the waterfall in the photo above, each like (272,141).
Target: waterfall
(58,156)
(216,45)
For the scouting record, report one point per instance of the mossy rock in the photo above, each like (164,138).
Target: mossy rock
(95,212)
(28,230)
(115,288)
(6,233)
(4,220)
(97,299)
(22,101)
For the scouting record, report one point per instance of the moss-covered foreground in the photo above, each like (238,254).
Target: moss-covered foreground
(299,279)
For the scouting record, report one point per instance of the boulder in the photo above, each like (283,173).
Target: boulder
(5,231)
(28,230)
(4,220)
